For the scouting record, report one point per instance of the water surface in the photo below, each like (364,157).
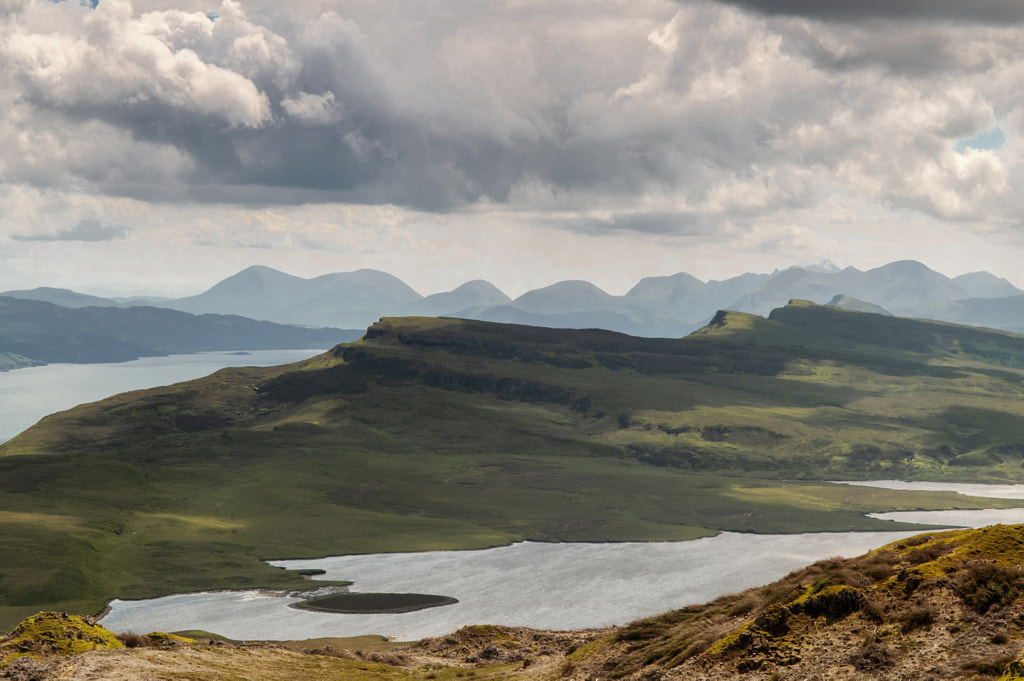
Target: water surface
(27,395)
(970,489)
(548,586)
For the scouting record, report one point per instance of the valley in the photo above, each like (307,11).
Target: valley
(452,434)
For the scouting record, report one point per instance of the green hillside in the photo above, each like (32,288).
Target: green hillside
(442,433)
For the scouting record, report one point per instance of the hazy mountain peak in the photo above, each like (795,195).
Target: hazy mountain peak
(565,296)
(472,295)
(481,286)
(986,285)
(664,289)
(250,281)
(905,267)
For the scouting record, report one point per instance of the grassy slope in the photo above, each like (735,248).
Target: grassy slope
(9,361)
(436,434)
(938,606)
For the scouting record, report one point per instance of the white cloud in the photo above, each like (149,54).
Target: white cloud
(120,61)
(310,108)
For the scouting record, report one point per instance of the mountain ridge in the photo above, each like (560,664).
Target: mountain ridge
(39,332)
(657,306)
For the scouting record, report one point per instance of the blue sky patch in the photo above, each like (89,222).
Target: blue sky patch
(990,139)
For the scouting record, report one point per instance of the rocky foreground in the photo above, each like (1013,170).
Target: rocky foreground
(939,606)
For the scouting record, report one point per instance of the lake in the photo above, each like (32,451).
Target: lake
(27,395)
(548,586)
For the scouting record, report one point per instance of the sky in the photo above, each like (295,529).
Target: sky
(167,144)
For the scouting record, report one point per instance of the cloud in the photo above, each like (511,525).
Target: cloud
(679,224)
(984,11)
(310,108)
(676,117)
(86,230)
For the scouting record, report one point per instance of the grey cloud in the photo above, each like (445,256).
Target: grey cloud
(710,110)
(982,11)
(86,230)
(684,224)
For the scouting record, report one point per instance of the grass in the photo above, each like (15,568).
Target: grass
(448,434)
(364,603)
(366,643)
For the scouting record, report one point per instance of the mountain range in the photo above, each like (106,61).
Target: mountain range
(664,306)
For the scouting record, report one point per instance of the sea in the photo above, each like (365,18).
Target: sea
(27,395)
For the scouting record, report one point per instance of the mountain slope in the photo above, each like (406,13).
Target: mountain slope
(470,295)
(996,313)
(986,285)
(444,433)
(61,296)
(46,333)
(937,606)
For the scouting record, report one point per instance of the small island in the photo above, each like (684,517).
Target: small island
(372,603)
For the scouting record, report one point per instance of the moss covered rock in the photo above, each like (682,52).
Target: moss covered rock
(54,633)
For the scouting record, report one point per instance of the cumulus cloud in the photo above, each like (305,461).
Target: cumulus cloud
(118,61)
(674,117)
(312,108)
(86,230)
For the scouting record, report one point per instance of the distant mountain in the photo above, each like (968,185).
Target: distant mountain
(471,294)
(662,306)
(681,303)
(1006,313)
(582,319)
(986,285)
(848,303)
(567,296)
(343,299)
(61,296)
(9,361)
(679,294)
(41,332)
(566,305)
(904,288)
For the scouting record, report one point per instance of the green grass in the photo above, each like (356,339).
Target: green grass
(362,603)
(448,434)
